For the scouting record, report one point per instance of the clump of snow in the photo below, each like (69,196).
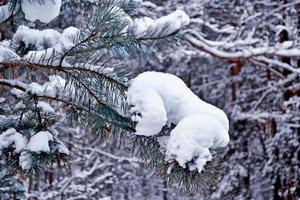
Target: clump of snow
(25,160)
(11,136)
(5,11)
(61,148)
(68,35)
(285,44)
(17,92)
(42,56)
(179,101)
(192,138)
(162,26)
(43,11)
(56,85)
(43,39)
(46,107)
(35,37)
(50,88)
(160,98)
(148,110)
(40,142)
(7,53)
(37,143)
(47,45)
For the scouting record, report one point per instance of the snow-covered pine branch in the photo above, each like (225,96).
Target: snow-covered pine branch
(189,148)
(52,75)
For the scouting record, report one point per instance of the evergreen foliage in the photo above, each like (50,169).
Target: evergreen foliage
(9,185)
(86,83)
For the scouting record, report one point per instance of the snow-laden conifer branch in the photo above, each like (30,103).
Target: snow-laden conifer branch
(20,63)
(9,183)
(72,102)
(83,70)
(192,146)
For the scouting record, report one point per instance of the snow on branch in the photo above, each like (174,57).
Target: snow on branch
(5,12)
(160,99)
(163,26)
(214,27)
(244,53)
(277,63)
(56,90)
(44,11)
(13,64)
(11,136)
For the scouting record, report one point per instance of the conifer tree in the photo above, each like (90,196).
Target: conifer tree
(49,76)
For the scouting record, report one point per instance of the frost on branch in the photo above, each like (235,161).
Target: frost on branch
(159,99)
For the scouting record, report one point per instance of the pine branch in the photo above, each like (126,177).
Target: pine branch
(68,52)
(11,64)
(69,102)
(184,179)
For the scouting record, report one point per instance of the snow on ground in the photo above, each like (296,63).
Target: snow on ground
(159,98)
(43,11)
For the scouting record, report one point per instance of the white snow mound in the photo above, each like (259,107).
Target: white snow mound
(42,11)
(35,37)
(11,136)
(158,99)
(47,38)
(40,142)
